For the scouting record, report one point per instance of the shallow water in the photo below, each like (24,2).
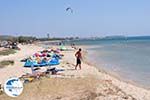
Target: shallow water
(128,58)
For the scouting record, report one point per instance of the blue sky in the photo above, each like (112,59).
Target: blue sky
(90,17)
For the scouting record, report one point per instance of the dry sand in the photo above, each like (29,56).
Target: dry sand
(86,84)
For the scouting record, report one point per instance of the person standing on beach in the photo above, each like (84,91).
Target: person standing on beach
(78,57)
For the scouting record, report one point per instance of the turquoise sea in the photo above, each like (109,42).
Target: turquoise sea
(128,57)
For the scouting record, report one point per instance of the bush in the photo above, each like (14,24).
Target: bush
(6,63)
(25,39)
(7,52)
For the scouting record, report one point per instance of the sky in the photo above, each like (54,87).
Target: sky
(90,18)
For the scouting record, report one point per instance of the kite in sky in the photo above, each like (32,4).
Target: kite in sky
(69,9)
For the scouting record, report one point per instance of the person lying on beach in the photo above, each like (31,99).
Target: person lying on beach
(78,57)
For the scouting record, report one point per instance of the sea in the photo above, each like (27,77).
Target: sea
(127,57)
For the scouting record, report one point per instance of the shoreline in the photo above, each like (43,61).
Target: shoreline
(116,75)
(111,73)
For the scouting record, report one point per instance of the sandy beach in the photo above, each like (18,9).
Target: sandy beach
(17,69)
(89,83)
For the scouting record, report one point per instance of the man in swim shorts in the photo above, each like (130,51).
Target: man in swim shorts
(78,57)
